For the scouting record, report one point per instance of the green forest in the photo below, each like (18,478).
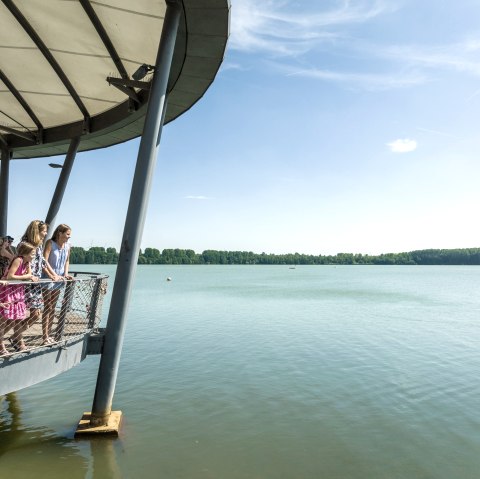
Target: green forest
(99,255)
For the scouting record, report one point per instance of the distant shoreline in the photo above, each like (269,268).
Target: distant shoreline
(453,257)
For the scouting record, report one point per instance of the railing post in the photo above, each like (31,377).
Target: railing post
(4,178)
(62,183)
(135,220)
(66,306)
(92,309)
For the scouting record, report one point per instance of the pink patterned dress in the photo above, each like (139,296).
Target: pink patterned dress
(12,297)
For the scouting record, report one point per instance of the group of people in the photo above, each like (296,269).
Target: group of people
(23,305)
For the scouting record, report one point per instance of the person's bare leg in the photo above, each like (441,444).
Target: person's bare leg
(18,329)
(50,298)
(55,296)
(34,317)
(3,350)
(46,316)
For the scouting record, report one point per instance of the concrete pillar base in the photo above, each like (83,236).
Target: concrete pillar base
(112,428)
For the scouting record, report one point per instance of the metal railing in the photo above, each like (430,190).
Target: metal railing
(46,313)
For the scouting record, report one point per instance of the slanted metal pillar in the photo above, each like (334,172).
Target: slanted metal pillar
(135,220)
(62,182)
(4,177)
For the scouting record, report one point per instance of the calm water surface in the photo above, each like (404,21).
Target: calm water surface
(269,372)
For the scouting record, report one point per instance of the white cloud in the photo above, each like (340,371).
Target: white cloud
(404,65)
(367,81)
(283,30)
(460,56)
(439,133)
(404,145)
(191,197)
(473,95)
(226,65)
(267,26)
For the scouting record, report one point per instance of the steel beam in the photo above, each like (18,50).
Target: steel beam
(135,220)
(32,33)
(102,33)
(4,176)
(143,85)
(128,91)
(21,134)
(3,141)
(62,183)
(18,96)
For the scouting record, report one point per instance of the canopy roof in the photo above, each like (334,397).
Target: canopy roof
(56,55)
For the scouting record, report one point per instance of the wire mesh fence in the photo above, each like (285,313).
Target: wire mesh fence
(46,313)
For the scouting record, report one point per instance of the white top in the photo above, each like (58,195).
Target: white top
(58,257)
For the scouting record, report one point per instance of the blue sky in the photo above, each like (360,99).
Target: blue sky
(333,126)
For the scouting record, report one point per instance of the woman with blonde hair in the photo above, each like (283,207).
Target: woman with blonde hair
(35,234)
(57,254)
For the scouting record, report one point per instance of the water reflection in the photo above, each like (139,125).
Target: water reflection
(104,459)
(9,421)
(39,452)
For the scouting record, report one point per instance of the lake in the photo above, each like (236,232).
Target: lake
(267,372)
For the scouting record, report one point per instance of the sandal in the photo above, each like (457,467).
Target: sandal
(48,341)
(17,345)
(4,352)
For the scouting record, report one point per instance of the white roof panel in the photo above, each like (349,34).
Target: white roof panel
(55,59)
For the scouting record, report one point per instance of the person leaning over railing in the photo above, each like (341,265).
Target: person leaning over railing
(6,254)
(35,234)
(57,254)
(13,310)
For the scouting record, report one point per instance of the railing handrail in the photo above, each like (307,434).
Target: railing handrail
(39,314)
(89,273)
(89,277)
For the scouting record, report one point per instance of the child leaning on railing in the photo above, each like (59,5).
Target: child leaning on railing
(13,310)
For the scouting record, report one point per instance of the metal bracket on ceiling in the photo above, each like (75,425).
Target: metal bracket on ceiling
(125,85)
(86,125)
(22,134)
(39,140)
(3,141)
(132,105)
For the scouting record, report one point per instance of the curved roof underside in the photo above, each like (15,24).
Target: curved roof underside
(56,55)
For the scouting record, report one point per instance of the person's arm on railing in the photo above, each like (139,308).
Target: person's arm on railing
(67,266)
(23,277)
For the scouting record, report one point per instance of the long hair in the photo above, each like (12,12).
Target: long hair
(60,229)
(32,234)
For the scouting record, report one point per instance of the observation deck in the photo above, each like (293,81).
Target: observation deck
(82,75)
(75,331)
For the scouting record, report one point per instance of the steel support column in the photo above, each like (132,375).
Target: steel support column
(4,177)
(135,220)
(62,182)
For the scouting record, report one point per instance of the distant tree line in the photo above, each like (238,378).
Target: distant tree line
(99,255)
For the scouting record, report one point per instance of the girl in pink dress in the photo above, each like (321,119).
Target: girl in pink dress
(12,297)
